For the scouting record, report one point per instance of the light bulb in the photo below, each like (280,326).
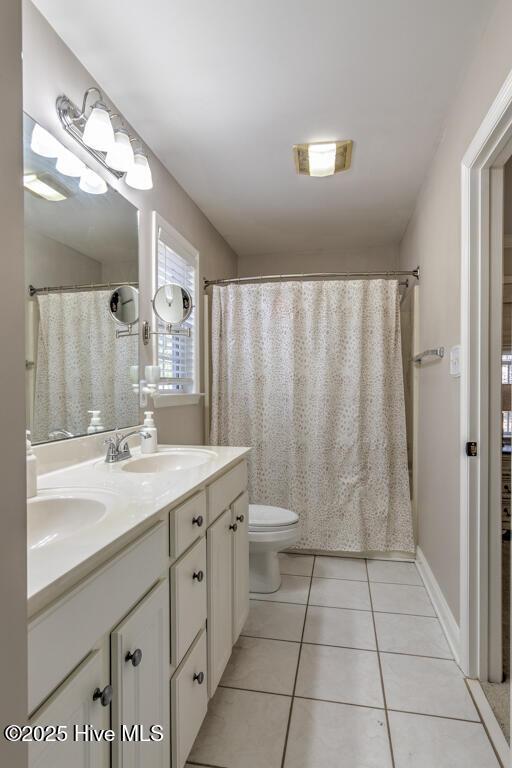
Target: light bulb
(43,143)
(322,159)
(92,183)
(139,175)
(69,164)
(120,155)
(98,131)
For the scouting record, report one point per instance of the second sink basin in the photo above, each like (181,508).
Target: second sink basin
(170,460)
(55,515)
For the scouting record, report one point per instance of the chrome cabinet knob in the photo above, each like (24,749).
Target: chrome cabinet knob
(135,657)
(197,521)
(233,527)
(198,575)
(199,677)
(105,695)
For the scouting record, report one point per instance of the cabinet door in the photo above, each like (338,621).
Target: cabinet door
(220,597)
(240,518)
(189,699)
(74,704)
(140,676)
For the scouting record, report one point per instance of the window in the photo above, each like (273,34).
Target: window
(178,356)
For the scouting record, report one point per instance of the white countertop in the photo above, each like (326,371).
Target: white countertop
(136,499)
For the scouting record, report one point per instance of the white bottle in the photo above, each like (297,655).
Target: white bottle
(31,470)
(149,444)
(95,425)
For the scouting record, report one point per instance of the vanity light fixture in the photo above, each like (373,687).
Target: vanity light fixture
(43,143)
(120,156)
(91,126)
(41,187)
(322,158)
(92,183)
(69,164)
(139,175)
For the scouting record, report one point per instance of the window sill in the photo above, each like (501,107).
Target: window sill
(167,399)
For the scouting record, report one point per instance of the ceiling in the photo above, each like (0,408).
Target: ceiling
(103,227)
(222,90)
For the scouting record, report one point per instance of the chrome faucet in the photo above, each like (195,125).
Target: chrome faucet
(59,434)
(118,448)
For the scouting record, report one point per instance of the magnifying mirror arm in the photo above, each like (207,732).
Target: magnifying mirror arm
(147,332)
(121,333)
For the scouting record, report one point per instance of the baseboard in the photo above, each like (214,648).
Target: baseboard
(489,720)
(446,617)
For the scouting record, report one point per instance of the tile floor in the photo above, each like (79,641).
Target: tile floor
(346,666)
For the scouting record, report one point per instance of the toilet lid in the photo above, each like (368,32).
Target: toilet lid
(263,516)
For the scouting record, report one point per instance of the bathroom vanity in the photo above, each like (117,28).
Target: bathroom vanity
(135,602)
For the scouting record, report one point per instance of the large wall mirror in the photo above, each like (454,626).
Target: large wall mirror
(81,270)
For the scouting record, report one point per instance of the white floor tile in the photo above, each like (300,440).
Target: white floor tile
(340,626)
(399,598)
(324,735)
(293,589)
(341,568)
(274,620)
(243,729)
(426,686)
(335,593)
(417,635)
(262,665)
(433,742)
(340,674)
(394,573)
(295,565)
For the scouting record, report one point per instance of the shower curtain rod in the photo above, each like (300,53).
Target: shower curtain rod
(76,288)
(312,275)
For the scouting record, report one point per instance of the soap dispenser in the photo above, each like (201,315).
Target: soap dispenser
(31,469)
(149,444)
(95,425)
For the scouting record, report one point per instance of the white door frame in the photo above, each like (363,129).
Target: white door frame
(482,252)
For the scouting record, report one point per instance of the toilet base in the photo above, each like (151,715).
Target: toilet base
(265,575)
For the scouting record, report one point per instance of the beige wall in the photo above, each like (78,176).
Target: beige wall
(49,69)
(355,259)
(432,240)
(13,541)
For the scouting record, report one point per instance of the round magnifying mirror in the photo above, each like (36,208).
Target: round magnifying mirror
(172,304)
(123,304)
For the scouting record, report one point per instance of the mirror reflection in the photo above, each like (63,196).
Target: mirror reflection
(81,269)
(124,304)
(172,304)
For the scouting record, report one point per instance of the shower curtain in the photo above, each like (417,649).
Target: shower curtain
(81,365)
(309,375)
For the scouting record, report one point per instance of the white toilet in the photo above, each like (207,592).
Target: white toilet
(271,529)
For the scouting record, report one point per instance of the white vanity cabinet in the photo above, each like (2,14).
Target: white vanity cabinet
(140,672)
(240,518)
(220,597)
(83,699)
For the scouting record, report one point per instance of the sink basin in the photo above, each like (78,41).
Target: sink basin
(171,460)
(56,515)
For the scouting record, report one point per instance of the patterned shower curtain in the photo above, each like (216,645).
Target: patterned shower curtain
(309,375)
(81,365)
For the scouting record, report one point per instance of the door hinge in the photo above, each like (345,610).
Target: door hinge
(472,448)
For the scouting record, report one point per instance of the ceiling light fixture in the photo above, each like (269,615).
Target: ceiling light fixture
(91,127)
(322,158)
(120,155)
(139,175)
(41,187)
(92,183)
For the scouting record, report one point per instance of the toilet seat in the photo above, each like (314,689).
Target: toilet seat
(266,518)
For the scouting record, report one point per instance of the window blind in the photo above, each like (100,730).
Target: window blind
(176,354)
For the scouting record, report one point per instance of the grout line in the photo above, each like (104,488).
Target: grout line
(367,580)
(346,607)
(255,690)
(484,725)
(381,678)
(204,765)
(297,668)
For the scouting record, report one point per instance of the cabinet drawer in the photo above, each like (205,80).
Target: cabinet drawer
(76,621)
(187,523)
(225,490)
(189,701)
(188,599)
